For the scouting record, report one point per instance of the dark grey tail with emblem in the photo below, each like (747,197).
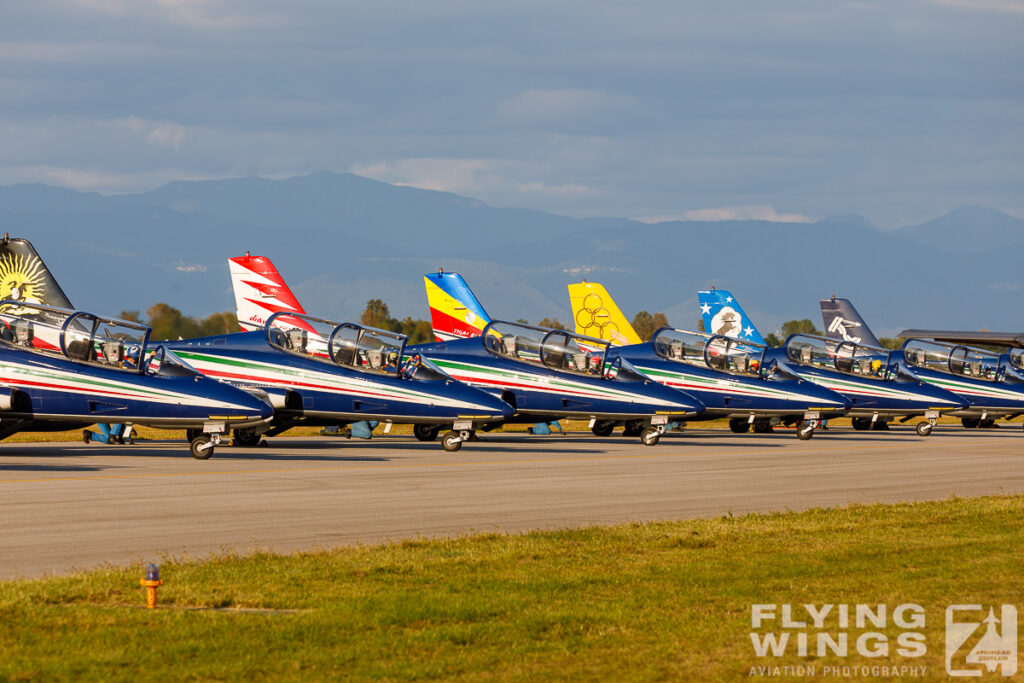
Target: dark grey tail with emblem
(842,321)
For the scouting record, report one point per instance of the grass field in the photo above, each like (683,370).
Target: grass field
(644,601)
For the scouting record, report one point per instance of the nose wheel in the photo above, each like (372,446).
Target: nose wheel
(650,436)
(202,445)
(925,428)
(805,430)
(452,441)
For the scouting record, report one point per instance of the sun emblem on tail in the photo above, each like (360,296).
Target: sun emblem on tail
(21,279)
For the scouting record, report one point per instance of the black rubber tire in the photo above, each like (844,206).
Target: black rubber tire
(970,422)
(880,426)
(650,436)
(196,446)
(603,428)
(246,438)
(739,425)
(425,432)
(451,441)
(924,428)
(861,424)
(989,423)
(804,430)
(763,425)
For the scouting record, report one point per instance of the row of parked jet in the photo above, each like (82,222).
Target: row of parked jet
(63,369)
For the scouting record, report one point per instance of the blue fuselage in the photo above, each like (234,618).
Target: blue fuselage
(318,391)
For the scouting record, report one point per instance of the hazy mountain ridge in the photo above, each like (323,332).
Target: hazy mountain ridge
(341,239)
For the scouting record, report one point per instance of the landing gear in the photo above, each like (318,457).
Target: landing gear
(805,430)
(426,432)
(924,428)
(763,425)
(202,445)
(650,436)
(861,424)
(452,441)
(989,423)
(633,428)
(603,428)
(880,426)
(970,422)
(739,425)
(246,438)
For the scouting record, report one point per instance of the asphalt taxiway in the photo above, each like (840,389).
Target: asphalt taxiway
(71,506)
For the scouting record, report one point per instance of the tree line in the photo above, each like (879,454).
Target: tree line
(170,323)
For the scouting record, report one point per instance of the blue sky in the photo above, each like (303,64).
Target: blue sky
(792,110)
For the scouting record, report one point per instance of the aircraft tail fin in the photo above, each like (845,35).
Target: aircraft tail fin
(455,312)
(597,315)
(842,321)
(723,315)
(259,291)
(24,276)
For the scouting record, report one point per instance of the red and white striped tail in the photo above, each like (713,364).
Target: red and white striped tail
(260,291)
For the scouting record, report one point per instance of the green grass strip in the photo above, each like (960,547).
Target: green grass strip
(668,600)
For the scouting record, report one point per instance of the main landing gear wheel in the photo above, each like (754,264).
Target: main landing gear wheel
(739,425)
(451,441)
(924,428)
(246,438)
(650,436)
(633,428)
(425,432)
(989,423)
(880,426)
(603,428)
(763,426)
(804,430)
(861,424)
(202,447)
(970,422)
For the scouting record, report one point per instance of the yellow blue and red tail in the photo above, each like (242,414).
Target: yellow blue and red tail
(455,312)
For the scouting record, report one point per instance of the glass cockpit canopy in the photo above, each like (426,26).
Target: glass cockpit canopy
(77,335)
(366,349)
(727,354)
(560,350)
(952,358)
(842,356)
(1017,359)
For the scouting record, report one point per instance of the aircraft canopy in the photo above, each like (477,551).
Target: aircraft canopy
(726,354)
(952,358)
(76,335)
(560,350)
(843,356)
(366,349)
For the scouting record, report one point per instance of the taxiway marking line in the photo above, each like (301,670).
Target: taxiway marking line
(458,464)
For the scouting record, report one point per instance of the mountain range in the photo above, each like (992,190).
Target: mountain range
(341,239)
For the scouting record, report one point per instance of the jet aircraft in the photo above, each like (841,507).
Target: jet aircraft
(730,377)
(991,383)
(105,370)
(879,386)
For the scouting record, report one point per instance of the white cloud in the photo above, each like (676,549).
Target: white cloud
(753,212)
(462,176)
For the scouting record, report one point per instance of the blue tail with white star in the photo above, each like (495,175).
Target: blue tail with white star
(723,315)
